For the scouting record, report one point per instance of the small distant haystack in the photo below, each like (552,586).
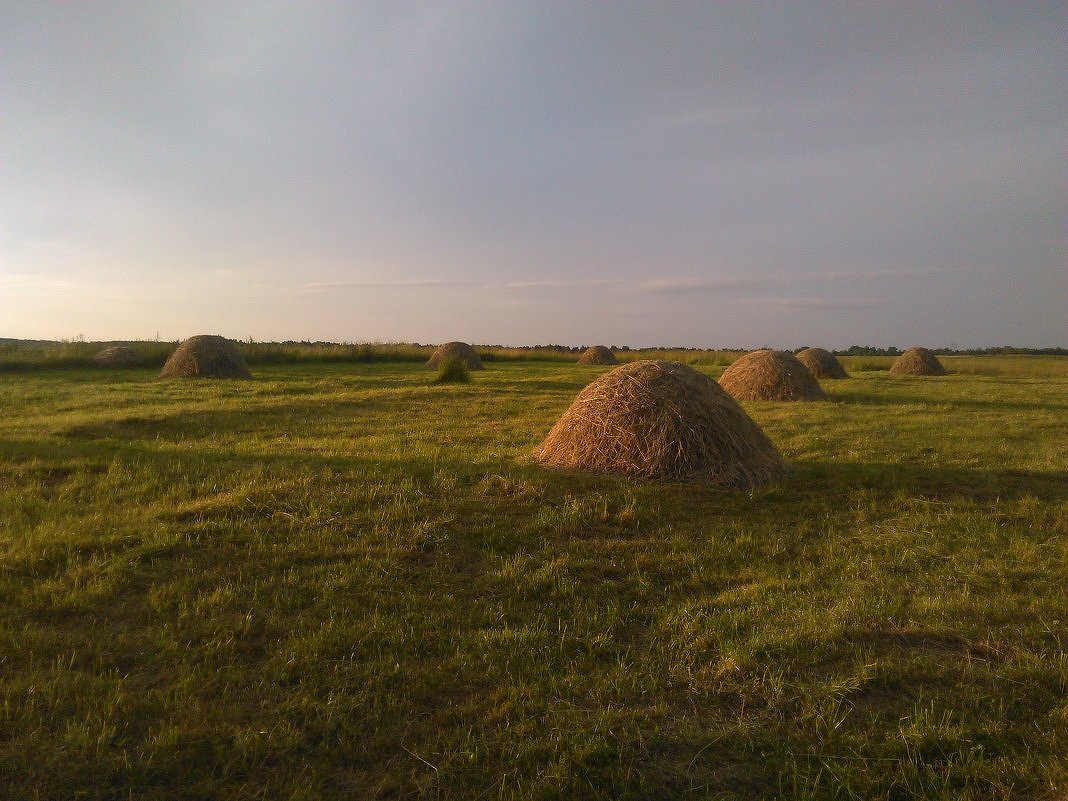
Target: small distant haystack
(118,356)
(598,354)
(662,421)
(206,356)
(770,375)
(917,361)
(456,350)
(822,363)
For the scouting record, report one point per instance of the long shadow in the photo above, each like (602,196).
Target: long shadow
(935,483)
(874,399)
(141,436)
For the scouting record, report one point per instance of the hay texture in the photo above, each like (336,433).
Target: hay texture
(770,375)
(662,421)
(456,350)
(822,363)
(598,354)
(917,361)
(206,356)
(118,356)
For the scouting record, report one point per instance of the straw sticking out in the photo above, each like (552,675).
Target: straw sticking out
(662,421)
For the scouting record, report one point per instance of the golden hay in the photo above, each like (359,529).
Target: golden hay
(597,354)
(663,421)
(770,375)
(118,356)
(917,361)
(206,356)
(822,363)
(456,350)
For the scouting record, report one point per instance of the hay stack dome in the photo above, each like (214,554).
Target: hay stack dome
(206,356)
(770,375)
(822,363)
(917,361)
(118,356)
(456,350)
(662,421)
(598,354)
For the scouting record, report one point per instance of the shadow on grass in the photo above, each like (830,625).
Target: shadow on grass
(924,481)
(880,399)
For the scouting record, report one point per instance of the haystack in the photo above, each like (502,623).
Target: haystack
(118,356)
(822,363)
(206,356)
(917,361)
(662,421)
(456,350)
(770,375)
(598,354)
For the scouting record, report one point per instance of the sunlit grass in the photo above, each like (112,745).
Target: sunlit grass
(337,580)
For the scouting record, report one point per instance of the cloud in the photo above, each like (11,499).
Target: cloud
(561,284)
(786,303)
(755,283)
(341,286)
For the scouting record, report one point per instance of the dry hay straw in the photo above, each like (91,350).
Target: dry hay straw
(118,356)
(456,350)
(917,361)
(663,421)
(770,375)
(206,356)
(597,354)
(822,363)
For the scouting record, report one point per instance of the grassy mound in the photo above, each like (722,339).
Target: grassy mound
(662,421)
(770,375)
(822,363)
(118,356)
(917,361)
(456,350)
(598,354)
(206,356)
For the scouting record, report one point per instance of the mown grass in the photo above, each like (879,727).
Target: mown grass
(338,581)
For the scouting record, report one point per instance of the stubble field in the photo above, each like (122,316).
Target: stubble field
(338,581)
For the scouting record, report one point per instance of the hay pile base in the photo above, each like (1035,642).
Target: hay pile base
(598,354)
(662,421)
(917,361)
(770,375)
(206,356)
(118,356)
(456,350)
(822,363)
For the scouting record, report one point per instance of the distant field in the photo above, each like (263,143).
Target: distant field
(337,581)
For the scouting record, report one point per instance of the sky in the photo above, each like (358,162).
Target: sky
(648,174)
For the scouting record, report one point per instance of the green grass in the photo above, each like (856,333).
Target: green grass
(337,581)
(453,370)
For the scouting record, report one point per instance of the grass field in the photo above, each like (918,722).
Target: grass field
(339,581)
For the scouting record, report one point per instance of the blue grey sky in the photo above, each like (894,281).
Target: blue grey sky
(703,174)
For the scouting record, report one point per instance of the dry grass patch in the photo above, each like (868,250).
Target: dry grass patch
(822,363)
(456,350)
(770,375)
(662,421)
(917,361)
(598,354)
(206,356)
(118,356)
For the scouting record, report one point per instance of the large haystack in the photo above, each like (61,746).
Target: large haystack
(456,350)
(917,361)
(598,354)
(662,421)
(206,356)
(822,363)
(118,356)
(770,375)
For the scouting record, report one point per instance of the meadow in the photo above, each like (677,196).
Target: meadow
(338,580)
